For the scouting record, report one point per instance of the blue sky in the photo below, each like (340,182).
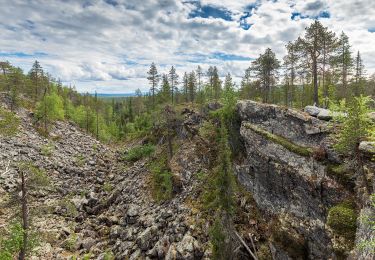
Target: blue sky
(107,45)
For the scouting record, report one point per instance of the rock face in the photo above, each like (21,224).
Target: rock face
(285,169)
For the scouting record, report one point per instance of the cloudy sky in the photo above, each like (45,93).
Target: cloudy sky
(107,45)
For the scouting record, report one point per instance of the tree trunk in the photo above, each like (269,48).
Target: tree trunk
(316,87)
(25,222)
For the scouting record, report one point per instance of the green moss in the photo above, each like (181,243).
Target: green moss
(107,187)
(342,219)
(340,173)
(9,123)
(298,149)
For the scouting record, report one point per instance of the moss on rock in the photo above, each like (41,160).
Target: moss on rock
(342,219)
(295,148)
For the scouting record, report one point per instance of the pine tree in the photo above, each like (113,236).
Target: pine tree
(199,74)
(355,127)
(192,82)
(246,84)
(224,185)
(312,46)
(165,90)
(36,75)
(344,63)
(153,78)
(266,71)
(97,115)
(216,83)
(185,85)
(359,78)
(290,64)
(173,80)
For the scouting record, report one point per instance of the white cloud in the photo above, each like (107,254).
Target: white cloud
(108,47)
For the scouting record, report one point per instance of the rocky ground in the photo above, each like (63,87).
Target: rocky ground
(99,207)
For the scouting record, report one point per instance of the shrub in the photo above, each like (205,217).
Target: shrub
(161,179)
(9,123)
(47,149)
(139,152)
(342,219)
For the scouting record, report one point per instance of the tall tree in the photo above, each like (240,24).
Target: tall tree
(290,64)
(97,115)
(173,81)
(192,86)
(199,74)
(228,83)
(312,46)
(329,42)
(185,86)
(359,75)
(246,84)
(344,63)
(266,68)
(153,78)
(165,90)
(36,76)
(216,83)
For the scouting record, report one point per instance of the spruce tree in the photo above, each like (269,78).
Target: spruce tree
(192,82)
(36,75)
(173,80)
(266,68)
(153,78)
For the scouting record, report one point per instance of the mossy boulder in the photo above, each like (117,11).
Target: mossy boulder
(342,219)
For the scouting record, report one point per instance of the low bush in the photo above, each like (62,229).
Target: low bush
(139,152)
(9,123)
(161,179)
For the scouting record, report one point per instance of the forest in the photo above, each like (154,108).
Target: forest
(320,68)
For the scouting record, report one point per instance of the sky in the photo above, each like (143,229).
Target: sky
(108,45)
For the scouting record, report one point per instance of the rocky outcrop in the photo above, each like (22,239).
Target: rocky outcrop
(286,168)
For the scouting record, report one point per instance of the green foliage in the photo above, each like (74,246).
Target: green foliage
(51,108)
(11,243)
(107,187)
(217,238)
(47,150)
(70,243)
(108,255)
(369,244)
(342,218)
(80,160)
(224,184)
(9,123)
(161,179)
(300,150)
(139,152)
(356,126)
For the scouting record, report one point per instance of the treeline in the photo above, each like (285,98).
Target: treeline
(319,68)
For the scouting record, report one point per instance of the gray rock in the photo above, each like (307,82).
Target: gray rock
(144,239)
(87,243)
(312,110)
(367,147)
